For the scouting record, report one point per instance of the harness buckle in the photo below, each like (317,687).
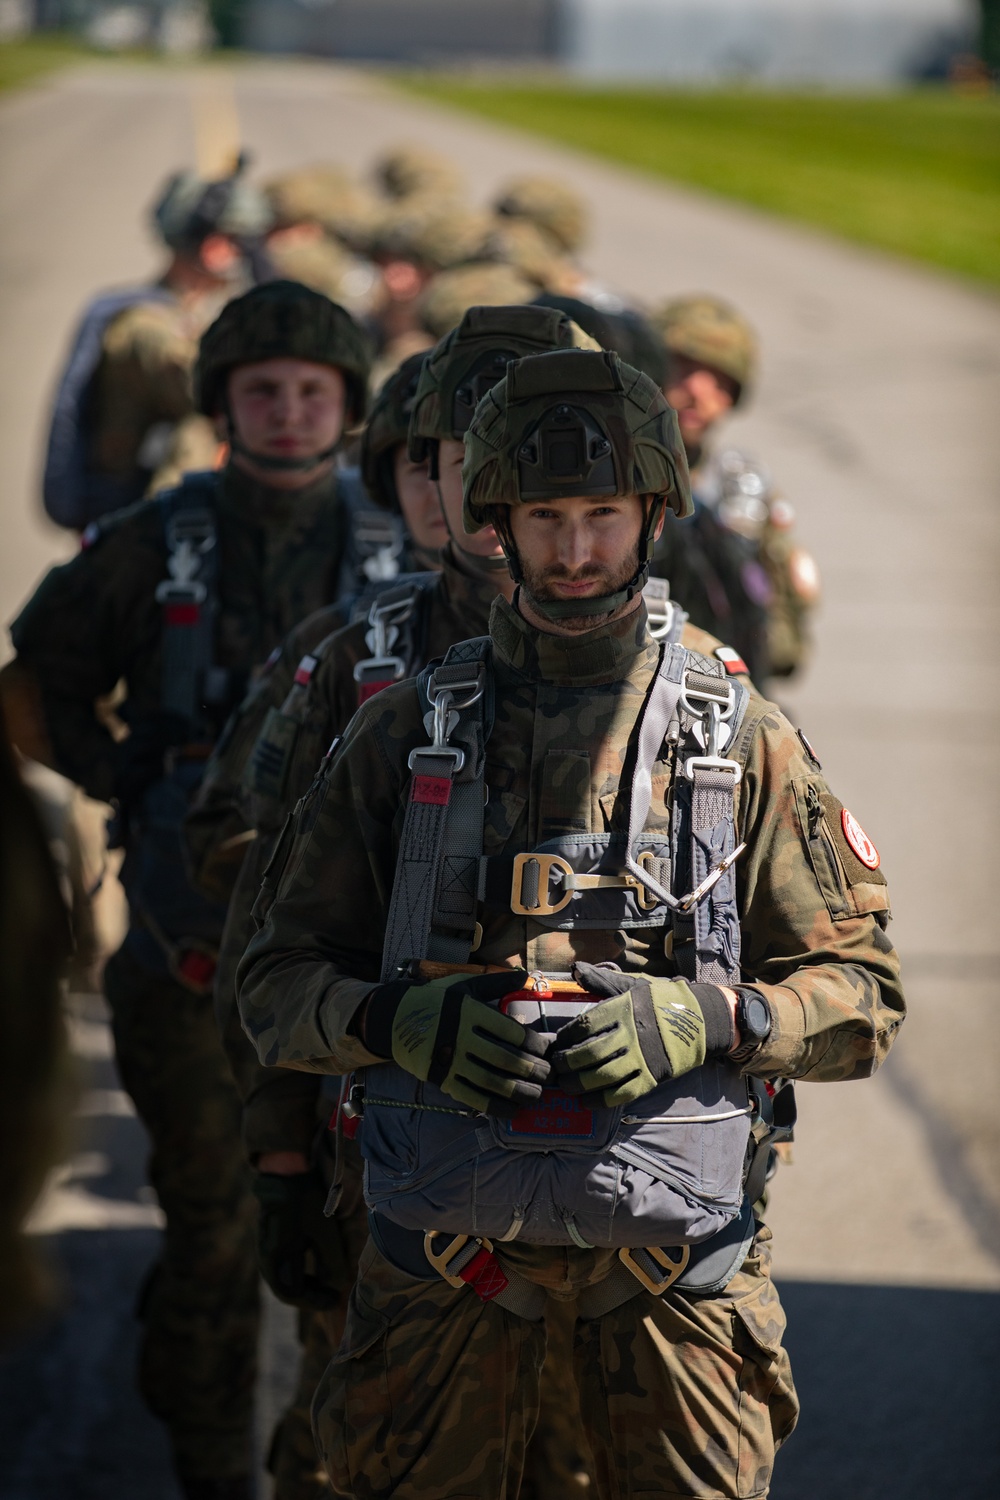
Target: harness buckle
(456,1257)
(379,669)
(712,763)
(450,690)
(644,898)
(535,870)
(672,1268)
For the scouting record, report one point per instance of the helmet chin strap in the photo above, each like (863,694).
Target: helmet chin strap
(274,464)
(597,605)
(472,560)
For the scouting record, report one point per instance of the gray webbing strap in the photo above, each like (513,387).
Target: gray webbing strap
(660,708)
(188,596)
(706,930)
(442,838)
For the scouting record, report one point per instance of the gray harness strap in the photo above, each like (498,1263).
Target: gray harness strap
(442,836)
(188,597)
(705,924)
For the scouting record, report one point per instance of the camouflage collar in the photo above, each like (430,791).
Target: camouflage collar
(260,504)
(607,654)
(469,594)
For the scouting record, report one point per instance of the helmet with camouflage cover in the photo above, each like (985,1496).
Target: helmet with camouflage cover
(411,170)
(472,358)
(711,332)
(325,195)
(568,424)
(189,209)
(282,320)
(434,235)
(449,296)
(548,203)
(387,427)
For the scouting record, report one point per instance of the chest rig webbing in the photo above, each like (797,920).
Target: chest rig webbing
(442,876)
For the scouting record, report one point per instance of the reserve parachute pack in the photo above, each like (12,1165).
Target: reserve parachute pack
(676,1167)
(73,494)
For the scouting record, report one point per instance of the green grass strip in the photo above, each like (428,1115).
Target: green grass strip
(917,173)
(31,57)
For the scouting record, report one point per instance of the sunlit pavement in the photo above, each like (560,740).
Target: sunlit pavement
(877,412)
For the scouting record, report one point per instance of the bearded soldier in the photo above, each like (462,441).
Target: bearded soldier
(629,824)
(181,600)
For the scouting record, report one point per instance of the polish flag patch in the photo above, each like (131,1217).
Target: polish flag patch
(732,661)
(859,841)
(304,671)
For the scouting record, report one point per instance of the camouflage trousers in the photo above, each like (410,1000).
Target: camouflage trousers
(200,1310)
(293,1459)
(433,1394)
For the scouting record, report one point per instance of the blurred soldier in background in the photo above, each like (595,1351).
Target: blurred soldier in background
(553,208)
(182,600)
(35,1092)
(735,565)
(320,214)
(127,381)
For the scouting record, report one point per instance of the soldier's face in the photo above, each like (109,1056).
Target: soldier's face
(577,548)
(286,408)
(418,501)
(699,396)
(485,543)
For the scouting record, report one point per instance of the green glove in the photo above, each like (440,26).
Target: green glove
(444,1033)
(649,1030)
(301,1251)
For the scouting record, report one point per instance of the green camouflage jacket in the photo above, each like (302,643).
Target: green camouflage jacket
(94,622)
(813,916)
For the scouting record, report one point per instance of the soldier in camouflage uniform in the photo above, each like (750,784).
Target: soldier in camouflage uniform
(736,565)
(182,599)
(685,1388)
(306,699)
(127,382)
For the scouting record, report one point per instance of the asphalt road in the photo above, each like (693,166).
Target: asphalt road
(877,413)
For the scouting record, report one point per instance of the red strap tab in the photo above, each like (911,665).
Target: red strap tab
(182,614)
(368,690)
(484,1275)
(197,968)
(433,789)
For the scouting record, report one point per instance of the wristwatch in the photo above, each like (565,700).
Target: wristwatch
(753,1022)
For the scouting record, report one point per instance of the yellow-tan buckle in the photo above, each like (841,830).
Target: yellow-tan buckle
(442,1261)
(545,864)
(673,1268)
(644,899)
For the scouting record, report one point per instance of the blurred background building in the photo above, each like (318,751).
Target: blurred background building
(852,43)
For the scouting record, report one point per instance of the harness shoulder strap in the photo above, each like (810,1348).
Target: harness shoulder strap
(188,596)
(376,538)
(666,619)
(433,906)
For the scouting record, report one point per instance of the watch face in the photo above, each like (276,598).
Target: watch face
(755,1020)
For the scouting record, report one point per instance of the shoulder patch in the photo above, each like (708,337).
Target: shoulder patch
(89,536)
(732,661)
(271,663)
(859,841)
(304,670)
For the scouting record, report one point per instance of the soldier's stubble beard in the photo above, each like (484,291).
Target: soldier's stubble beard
(538,586)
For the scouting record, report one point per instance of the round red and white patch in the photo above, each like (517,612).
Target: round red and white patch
(859,840)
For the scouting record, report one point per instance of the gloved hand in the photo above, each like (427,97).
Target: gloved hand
(442,1032)
(649,1030)
(301,1251)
